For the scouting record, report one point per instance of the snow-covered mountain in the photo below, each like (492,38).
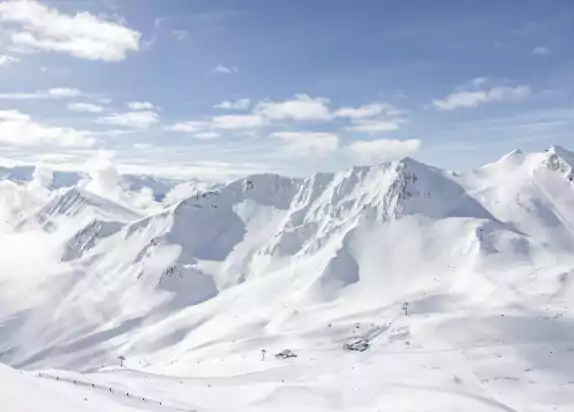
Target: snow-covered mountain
(459,283)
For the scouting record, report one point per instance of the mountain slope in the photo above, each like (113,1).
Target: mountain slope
(77,207)
(533,192)
(24,392)
(470,273)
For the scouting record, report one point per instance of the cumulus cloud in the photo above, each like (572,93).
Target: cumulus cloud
(365,111)
(372,118)
(309,143)
(42,178)
(198,129)
(6,59)
(15,200)
(54,93)
(192,126)
(140,106)
(133,120)
(83,35)
(237,122)
(475,98)
(19,129)
(374,126)
(61,92)
(220,68)
(241,104)
(104,180)
(301,108)
(85,107)
(379,150)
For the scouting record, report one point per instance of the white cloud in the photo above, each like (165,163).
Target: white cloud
(85,107)
(541,51)
(19,129)
(103,175)
(6,59)
(133,120)
(42,178)
(104,180)
(460,100)
(23,96)
(237,122)
(208,129)
(372,118)
(365,111)
(64,92)
(206,135)
(468,99)
(376,151)
(241,104)
(225,69)
(180,34)
(55,93)
(82,35)
(497,94)
(193,126)
(369,118)
(302,107)
(140,105)
(309,143)
(374,125)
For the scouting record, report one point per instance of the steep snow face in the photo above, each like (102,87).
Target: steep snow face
(254,226)
(329,203)
(532,192)
(77,207)
(426,261)
(86,239)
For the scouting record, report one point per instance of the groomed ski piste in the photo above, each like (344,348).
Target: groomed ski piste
(395,287)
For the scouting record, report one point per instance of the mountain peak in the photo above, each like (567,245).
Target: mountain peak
(513,156)
(565,154)
(78,202)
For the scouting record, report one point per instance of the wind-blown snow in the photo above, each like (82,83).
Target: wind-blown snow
(459,284)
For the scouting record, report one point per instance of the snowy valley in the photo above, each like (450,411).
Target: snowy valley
(452,290)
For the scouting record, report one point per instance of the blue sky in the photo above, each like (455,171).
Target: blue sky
(218,88)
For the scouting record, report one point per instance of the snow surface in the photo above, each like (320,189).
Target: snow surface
(460,283)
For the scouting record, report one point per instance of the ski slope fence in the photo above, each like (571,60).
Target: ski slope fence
(113,391)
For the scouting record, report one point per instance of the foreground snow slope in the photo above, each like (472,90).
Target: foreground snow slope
(483,259)
(23,392)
